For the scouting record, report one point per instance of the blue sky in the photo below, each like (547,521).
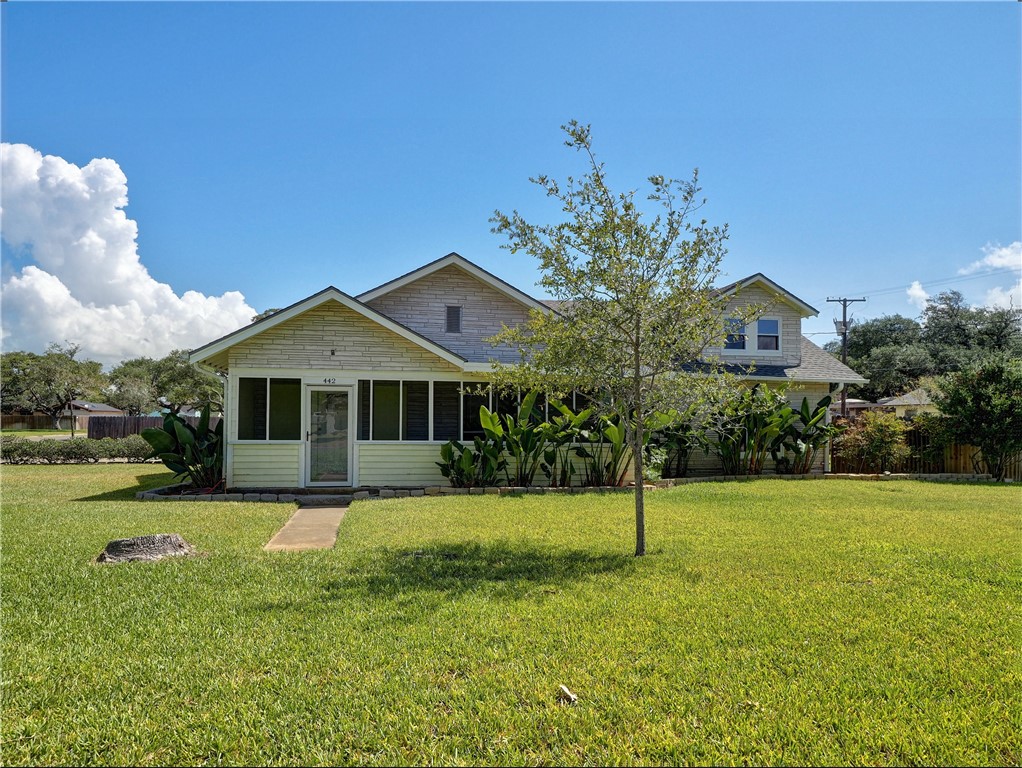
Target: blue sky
(273,149)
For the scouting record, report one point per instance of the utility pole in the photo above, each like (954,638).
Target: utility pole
(842,327)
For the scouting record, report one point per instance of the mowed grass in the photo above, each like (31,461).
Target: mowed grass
(773,622)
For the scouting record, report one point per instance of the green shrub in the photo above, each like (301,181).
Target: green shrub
(79,450)
(16,450)
(875,443)
(134,448)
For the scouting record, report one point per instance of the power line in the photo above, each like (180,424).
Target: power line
(940,281)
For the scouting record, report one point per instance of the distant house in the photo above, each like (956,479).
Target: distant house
(81,408)
(910,404)
(340,390)
(854,407)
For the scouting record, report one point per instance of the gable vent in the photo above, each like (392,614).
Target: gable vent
(454,319)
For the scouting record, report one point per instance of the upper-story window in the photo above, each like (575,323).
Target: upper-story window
(453,320)
(735,335)
(768,335)
(760,336)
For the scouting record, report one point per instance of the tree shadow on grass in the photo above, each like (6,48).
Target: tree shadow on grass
(501,568)
(147,482)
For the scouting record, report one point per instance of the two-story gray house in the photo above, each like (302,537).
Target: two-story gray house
(338,390)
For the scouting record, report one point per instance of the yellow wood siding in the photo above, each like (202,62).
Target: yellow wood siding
(266,466)
(791,329)
(399,464)
(331,336)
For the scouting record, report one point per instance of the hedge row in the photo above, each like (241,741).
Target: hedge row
(77,450)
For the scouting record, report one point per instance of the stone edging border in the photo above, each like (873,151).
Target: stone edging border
(372,494)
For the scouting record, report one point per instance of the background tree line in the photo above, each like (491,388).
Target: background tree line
(895,352)
(48,382)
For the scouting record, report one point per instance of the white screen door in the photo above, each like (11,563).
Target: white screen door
(330,417)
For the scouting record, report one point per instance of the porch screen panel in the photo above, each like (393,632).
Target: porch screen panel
(472,425)
(285,409)
(415,411)
(252,409)
(446,410)
(386,410)
(363,409)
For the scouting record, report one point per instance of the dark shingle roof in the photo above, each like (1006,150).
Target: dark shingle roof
(816,365)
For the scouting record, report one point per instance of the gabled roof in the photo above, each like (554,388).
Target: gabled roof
(784,295)
(454,260)
(326,295)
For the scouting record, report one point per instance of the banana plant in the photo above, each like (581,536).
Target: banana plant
(472,466)
(607,455)
(804,441)
(522,435)
(560,433)
(193,452)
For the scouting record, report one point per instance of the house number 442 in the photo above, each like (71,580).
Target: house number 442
(329,381)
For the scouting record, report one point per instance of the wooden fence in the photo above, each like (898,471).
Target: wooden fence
(122,426)
(959,459)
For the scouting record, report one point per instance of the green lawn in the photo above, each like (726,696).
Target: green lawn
(773,622)
(42,432)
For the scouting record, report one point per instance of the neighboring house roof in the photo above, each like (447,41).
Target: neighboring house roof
(459,261)
(807,310)
(327,294)
(917,396)
(82,405)
(816,365)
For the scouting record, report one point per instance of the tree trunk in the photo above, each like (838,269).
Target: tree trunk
(640,506)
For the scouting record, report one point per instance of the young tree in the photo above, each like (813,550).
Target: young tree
(637,305)
(983,407)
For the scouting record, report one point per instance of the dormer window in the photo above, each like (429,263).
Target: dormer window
(763,336)
(453,320)
(735,335)
(768,335)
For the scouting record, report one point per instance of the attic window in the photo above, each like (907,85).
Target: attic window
(453,320)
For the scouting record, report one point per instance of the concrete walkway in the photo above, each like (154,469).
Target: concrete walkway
(308,528)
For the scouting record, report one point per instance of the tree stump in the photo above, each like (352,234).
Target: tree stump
(153,547)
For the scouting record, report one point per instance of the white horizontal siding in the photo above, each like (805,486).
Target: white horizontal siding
(267,466)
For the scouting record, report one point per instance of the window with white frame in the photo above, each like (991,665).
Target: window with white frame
(768,334)
(760,336)
(735,335)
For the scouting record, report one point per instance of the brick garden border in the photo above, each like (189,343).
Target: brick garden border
(308,499)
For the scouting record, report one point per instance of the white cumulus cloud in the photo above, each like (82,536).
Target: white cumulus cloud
(917,295)
(997,257)
(1005,297)
(88,285)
